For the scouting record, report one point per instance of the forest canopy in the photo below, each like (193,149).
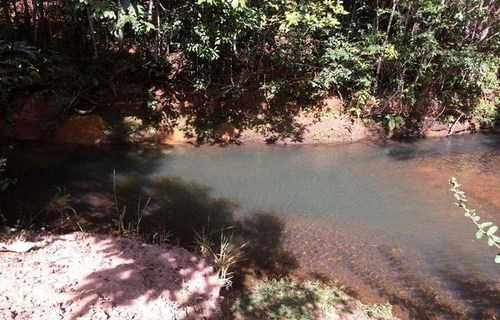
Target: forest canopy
(394,61)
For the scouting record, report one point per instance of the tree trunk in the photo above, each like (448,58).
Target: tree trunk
(386,40)
(27,18)
(120,30)
(6,11)
(92,34)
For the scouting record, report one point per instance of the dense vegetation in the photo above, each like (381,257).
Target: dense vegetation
(403,63)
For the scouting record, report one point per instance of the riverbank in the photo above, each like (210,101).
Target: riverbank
(88,276)
(33,120)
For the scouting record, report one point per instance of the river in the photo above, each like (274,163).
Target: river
(378,218)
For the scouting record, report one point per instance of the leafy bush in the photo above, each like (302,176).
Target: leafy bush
(18,67)
(487,112)
(487,229)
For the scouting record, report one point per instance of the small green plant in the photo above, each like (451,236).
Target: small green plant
(362,102)
(62,204)
(120,211)
(392,122)
(487,229)
(225,253)
(130,225)
(133,227)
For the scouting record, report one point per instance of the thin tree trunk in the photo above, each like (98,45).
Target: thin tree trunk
(36,20)
(159,33)
(17,20)
(379,62)
(6,11)
(27,18)
(92,33)
(150,11)
(26,8)
(120,30)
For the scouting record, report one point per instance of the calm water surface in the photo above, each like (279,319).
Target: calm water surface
(378,217)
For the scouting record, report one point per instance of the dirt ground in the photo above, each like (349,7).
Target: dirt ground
(80,276)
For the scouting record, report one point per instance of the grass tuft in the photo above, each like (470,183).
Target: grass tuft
(225,253)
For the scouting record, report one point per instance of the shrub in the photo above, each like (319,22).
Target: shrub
(18,67)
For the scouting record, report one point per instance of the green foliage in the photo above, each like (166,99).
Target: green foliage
(348,66)
(18,67)
(5,182)
(487,229)
(386,59)
(285,299)
(392,122)
(487,110)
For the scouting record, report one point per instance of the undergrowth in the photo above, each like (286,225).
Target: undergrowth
(131,225)
(286,299)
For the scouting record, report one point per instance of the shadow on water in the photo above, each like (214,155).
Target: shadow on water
(410,150)
(423,298)
(264,231)
(39,172)
(183,208)
(420,301)
(483,295)
(402,153)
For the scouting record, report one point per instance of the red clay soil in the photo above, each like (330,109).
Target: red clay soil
(79,276)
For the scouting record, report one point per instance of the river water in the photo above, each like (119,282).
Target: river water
(379,218)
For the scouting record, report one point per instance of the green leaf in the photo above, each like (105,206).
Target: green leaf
(491,242)
(485,224)
(497,258)
(109,14)
(479,234)
(492,230)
